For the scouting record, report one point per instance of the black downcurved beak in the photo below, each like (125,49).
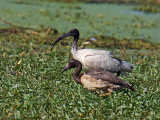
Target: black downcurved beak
(60,38)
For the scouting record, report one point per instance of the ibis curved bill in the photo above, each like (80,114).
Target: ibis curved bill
(95,59)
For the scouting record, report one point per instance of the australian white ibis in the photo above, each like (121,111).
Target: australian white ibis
(96,79)
(96,59)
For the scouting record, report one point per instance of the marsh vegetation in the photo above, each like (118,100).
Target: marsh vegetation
(32,85)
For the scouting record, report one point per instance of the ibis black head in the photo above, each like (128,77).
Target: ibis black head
(71,64)
(74,32)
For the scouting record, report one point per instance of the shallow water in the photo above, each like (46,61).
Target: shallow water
(119,21)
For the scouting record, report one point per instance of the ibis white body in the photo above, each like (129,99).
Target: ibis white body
(96,59)
(100,59)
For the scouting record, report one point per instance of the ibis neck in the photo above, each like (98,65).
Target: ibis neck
(74,46)
(76,74)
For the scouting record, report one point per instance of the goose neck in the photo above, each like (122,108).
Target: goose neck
(76,74)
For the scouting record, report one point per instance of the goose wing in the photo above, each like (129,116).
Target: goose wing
(109,77)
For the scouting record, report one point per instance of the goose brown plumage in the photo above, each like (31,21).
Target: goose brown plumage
(96,79)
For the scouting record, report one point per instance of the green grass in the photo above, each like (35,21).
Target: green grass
(32,85)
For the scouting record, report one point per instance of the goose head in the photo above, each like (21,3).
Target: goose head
(71,64)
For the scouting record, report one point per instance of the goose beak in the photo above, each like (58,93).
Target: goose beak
(64,69)
(60,38)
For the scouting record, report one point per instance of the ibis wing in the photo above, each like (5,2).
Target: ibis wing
(102,62)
